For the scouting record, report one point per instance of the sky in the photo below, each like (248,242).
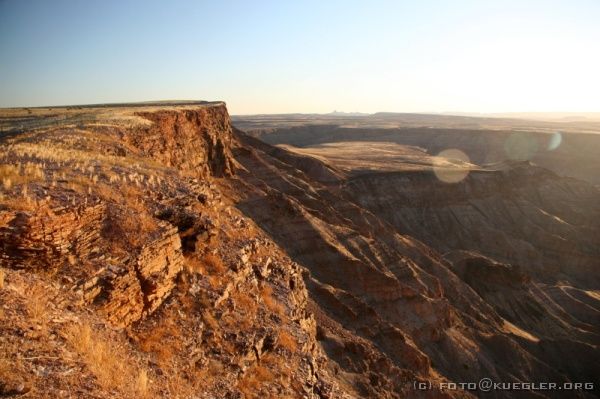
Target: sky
(305,56)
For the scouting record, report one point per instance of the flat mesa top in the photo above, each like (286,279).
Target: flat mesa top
(26,118)
(8,112)
(365,157)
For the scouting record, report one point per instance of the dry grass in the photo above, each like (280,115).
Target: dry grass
(109,363)
(138,219)
(287,341)
(193,265)
(37,304)
(214,264)
(210,320)
(244,302)
(12,372)
(11,175)
(282,366)
(2,276)
(254,378)
(204,378)
(136,225)
(266,294)
(247,308)
(158,342)
(21,203)
(215,282)
(108,192)
(129,229)
(80,148)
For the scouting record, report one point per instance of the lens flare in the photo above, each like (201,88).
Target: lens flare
(555,141)
(451,166)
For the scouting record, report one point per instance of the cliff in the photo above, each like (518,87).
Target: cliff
(127,273)
(193,141)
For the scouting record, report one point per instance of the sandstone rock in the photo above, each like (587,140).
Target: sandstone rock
(193,141)
(46,238)
(137,287)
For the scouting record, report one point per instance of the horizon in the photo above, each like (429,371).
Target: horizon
(534,115)
(271,58)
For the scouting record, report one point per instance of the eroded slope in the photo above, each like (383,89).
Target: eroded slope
(126,273)
(371,279)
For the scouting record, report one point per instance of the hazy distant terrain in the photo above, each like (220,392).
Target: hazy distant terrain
(567,148)
(518,121)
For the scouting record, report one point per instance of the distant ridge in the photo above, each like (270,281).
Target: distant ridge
(341,113)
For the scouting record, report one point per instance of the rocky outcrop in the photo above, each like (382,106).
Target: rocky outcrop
(59,239)
(158,264)
(46,238)
(195,141)
(128,289)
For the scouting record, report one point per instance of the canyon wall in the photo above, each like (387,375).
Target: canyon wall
(155,251)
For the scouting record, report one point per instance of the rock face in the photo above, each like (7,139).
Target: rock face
(128,289)
(190,140)
(523,214)
(44,239)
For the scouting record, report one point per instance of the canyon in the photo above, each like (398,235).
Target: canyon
(168,250)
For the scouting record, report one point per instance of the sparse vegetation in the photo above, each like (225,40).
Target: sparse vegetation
(244,302)
(188,347)
(214,264)
(287,341)
(162,342)
(108,361)
(247,308)
(254,378)
(280,366)
(204,377)
(11,175)
(266,295)
(37,304)
(210,320)
(194,266)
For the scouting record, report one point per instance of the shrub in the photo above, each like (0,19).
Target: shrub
(36,304)
(193,265)
(244,302)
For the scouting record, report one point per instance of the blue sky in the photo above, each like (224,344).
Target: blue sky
(305,56)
